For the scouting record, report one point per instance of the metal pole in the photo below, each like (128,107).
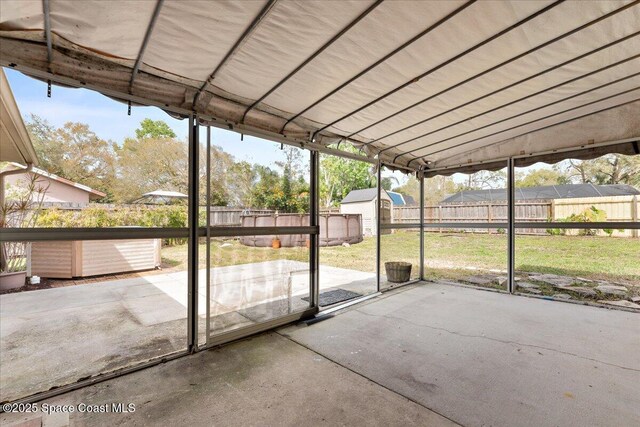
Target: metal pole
(193,207)
(378,223)
(314,247)
(208,225)
(421,178)
(511,232)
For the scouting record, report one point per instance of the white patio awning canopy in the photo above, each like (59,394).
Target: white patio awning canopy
(423,84)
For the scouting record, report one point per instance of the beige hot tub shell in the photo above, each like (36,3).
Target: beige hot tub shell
(67,259)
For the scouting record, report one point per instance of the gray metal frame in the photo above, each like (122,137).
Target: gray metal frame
(421,179)
(208,246)
(511,229)
(512,224)
(378,223)
(314,221)
(193,215)
(194,231)
(313,230)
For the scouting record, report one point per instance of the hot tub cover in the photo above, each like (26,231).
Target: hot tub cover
(426,84)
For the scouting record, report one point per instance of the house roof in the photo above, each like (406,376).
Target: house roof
(160,197)
(396,198)
(164,193)
(93,194)
(362,195)
(422,84)
(545,192)
(409,200)
(15,142)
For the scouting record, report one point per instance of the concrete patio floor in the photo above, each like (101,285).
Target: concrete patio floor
(112,324)
(426,354)
(485,358)
(472,356)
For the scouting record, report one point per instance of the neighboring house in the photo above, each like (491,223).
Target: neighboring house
(58,190)
(363,202)
(544,192)
(401,200)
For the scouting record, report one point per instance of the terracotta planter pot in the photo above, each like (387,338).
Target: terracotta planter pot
(276,244)
(12,280)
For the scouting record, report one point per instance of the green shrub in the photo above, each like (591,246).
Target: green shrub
(591,214)
(97,216)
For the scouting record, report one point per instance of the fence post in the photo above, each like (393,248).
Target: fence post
(489,216)
(440,217)
(634,215)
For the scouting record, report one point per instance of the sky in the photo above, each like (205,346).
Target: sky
(109,120)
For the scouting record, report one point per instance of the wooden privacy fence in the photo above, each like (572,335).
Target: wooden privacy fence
(619,208)
(232,217)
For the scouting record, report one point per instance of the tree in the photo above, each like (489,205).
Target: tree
(410,188)
(540,177)
(438,188)
(148,164)
(339,175)
(608,169)
(156,129)
(74,152)
(388,182)
(483,180)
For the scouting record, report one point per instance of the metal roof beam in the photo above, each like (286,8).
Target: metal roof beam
(47,29)
(312,57)
(236,46)
(534,121)
(495,67)
(599,70)
(145,42)
(443,64)
(381,60)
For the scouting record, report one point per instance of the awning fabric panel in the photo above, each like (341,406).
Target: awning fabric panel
(415,83)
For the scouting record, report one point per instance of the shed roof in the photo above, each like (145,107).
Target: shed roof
(545,192)
(362,195)
(415,84)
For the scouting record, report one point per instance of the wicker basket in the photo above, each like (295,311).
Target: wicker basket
(398,272)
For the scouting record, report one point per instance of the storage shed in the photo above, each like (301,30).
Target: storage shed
(363,202)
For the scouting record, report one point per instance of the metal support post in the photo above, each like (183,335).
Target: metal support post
(208,225)
(421,178)
(511,231)
(378,224)
(314,221)
(193,208)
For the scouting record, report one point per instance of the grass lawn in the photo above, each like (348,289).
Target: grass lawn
(452,255)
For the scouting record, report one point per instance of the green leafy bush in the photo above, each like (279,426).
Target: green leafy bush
(591,214)
(169,216)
